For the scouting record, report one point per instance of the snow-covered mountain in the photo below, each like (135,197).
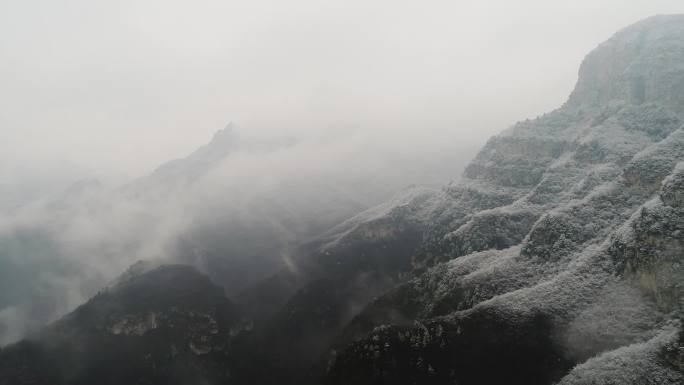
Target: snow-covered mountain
(556,259)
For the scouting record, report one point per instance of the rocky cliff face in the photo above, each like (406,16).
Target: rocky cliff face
(559,257)
(558,246)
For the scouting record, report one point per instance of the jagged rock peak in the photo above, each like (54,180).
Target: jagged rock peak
(643,63)
(223,142)
(193,166)
(225,136)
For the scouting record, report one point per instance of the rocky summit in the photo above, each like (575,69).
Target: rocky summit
(555,259)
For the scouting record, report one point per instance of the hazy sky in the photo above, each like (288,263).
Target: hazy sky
(123,85)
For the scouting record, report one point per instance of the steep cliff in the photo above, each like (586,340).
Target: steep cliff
(559,255)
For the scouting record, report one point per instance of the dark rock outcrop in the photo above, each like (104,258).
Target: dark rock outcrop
(169,325)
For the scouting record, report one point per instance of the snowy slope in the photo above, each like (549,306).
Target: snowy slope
(563,243)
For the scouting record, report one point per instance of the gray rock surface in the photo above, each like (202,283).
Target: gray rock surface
(572,222)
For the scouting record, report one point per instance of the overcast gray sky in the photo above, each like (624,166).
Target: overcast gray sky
(124,85)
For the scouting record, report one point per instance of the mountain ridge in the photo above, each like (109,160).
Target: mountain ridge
(555,260)
(564,188)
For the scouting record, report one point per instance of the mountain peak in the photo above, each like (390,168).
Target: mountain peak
(201,160)
(642,63)
(226,135)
